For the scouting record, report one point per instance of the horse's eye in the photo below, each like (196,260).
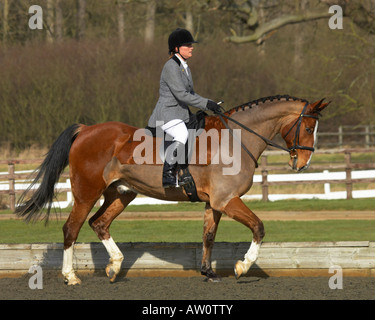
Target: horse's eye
(309,130)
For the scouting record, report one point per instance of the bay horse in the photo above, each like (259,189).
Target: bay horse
(102,161)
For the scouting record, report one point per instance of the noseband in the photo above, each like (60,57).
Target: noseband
(269,142)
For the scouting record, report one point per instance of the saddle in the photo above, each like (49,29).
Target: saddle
(196,122)
(195,126)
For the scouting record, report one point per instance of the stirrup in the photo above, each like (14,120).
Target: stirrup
(169,183)
(184,180)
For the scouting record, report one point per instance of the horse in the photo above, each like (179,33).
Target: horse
(104,160)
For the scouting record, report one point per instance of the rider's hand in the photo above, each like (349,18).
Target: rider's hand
(213,106)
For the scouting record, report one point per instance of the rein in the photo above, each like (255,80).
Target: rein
(221,115)
(269,142)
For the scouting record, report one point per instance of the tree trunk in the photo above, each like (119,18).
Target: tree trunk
(150,21)
(261,48)
(120,22)
(5,21)
(49,21)
(189,23)
(58,21)
(298,40)
(81,17)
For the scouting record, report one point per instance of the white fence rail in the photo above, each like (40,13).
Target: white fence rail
(319,177)
(267,175)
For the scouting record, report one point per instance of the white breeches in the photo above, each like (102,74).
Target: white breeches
(176,128)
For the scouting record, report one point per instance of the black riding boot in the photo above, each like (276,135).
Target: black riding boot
(174,152)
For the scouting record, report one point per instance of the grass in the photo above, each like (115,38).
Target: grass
(282,205)
(16,231)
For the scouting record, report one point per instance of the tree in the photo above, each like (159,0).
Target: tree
(58,21)
(5,20)
(81,18)
(49,20)
(298,40)
(248,13)
(120,21)
(150,21)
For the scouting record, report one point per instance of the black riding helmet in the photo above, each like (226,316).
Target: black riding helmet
(178,38)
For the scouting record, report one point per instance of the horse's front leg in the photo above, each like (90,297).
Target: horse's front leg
(237,210)
(211,222)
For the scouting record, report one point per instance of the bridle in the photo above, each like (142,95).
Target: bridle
(298,122)
(269,142)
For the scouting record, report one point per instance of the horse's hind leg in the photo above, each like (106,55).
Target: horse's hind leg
(211,223)
(237,210)
(114,204)
(71,229)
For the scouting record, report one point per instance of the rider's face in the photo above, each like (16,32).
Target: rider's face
(186,51)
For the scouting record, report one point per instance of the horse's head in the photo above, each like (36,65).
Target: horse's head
(300,134)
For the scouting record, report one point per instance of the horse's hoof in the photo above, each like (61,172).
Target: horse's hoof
(111,274)
(238,269)
(214,279)
(72,280)
(211,276)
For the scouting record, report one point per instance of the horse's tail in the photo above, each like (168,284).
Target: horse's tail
(47,174)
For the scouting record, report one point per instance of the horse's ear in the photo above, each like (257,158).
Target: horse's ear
(324,105)
(318,106)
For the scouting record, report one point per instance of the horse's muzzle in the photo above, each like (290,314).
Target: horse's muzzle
(293,160)
(293,163)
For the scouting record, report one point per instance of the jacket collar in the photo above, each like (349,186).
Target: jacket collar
(179,62)
(176,59)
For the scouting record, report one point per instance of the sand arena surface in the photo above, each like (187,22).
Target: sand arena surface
(97,286)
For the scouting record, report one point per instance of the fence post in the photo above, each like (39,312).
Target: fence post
(263,165)
(12,191)
(367,136)
(348,170)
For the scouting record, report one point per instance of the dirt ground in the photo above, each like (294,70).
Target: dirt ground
(97,286)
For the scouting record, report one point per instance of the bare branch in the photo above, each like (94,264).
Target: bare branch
(277,23)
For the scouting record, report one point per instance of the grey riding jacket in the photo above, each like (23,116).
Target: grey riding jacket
(176,94)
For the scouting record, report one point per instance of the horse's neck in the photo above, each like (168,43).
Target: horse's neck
(268,118)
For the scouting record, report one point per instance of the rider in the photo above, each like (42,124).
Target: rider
(176,93)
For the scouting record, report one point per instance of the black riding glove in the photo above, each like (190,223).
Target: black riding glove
(213,106)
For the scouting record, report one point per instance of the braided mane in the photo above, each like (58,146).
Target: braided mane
(250,104)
